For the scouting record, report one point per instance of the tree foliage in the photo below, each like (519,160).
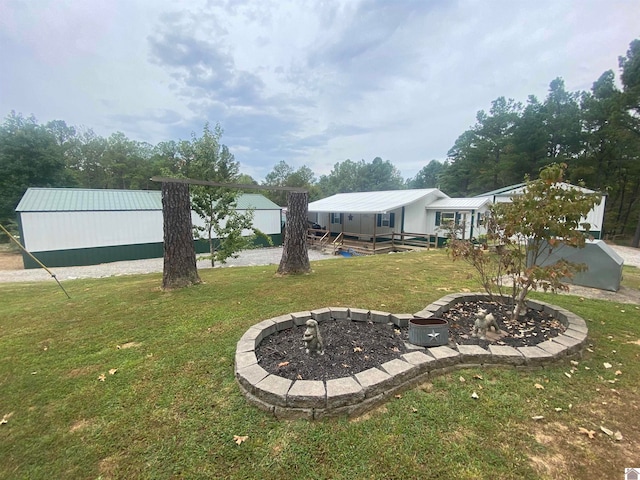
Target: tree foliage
(30,156)
(206,158)
(548,215)
(350,176)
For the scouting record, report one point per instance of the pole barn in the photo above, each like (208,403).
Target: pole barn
(74,226)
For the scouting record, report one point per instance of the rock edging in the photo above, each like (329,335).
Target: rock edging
(356,394)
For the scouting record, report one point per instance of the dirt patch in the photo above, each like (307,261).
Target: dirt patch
(563,451)
(11,261)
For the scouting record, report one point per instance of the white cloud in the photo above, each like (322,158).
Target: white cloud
(310,83)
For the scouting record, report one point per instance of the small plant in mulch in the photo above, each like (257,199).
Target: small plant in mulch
(547,216)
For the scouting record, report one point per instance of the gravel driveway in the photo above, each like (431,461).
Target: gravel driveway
(259,256)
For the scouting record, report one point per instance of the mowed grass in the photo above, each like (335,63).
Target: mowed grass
(172,407)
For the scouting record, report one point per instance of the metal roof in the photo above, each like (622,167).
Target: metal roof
(459,203)
(518,189)
(371,202)
(81,199)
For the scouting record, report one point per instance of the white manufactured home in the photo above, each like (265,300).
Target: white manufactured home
(74,226)
(595,217)
(398,216)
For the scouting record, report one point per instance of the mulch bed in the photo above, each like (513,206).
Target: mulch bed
(352,347)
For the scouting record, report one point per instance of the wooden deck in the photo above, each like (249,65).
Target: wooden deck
(360,244)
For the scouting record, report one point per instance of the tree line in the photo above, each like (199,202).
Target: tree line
(596,133)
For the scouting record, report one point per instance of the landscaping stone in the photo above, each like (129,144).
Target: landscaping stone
(399,369)
(379,317)
(283,322)
(307,393)
(321,315)
(401,319)
(359,314)
(506,354)
(354,395)
(343,391)
(444,356)
(373,381)
(300,318)
(339,313)
(473,353)
(534,356)
(274,389)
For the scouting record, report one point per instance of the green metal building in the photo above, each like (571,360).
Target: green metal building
(74,226)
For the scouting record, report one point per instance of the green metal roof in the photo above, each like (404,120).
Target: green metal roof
(81,199)
(501,191)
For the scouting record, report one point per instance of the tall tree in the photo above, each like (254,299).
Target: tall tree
(283,175)
(349,176)
(30,156)
(180,268)
(428,176)
(295,256)
(630,77)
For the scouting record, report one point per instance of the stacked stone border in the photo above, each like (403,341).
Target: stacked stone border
(356,394)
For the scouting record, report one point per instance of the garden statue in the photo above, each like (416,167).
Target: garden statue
(312,338)
(484,321)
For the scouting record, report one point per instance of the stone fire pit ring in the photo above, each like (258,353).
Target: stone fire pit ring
(356,394)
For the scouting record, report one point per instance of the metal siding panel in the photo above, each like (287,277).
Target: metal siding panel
(47,231)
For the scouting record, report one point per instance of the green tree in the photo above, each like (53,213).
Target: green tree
(349,176)
(428,176)
(210,160)
(30,156)
(630,78)
(283,175)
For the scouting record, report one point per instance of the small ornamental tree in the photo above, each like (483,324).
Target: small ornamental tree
(548,215)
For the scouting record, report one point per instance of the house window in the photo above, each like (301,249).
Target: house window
(386,220)
(480,220)
(442,218)
(336,218)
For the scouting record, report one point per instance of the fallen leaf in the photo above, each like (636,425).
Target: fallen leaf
(5,418)
(567,374)
(606,430)
(618,372)
(537,417)
(113,371)
(589,433)
(299,377)
(539,387)
(558,409)
(357,349)
(398,396)
(475,396)
(478,377)
(607,365)
(240,439)
(617,436)
(283,364)
(414,409)
(573,362)
(462,379)
(102,377)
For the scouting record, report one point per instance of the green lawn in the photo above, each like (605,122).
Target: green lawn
(172,408)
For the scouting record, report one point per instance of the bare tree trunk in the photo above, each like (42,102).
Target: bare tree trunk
(295,257)
(179,252)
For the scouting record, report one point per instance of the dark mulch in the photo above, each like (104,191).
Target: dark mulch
(352,347)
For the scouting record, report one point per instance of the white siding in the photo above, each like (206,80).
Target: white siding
(267,221)
(48,231)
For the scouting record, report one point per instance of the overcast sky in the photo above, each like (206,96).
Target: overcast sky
(312,83)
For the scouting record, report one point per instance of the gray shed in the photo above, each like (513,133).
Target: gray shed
(604,264)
